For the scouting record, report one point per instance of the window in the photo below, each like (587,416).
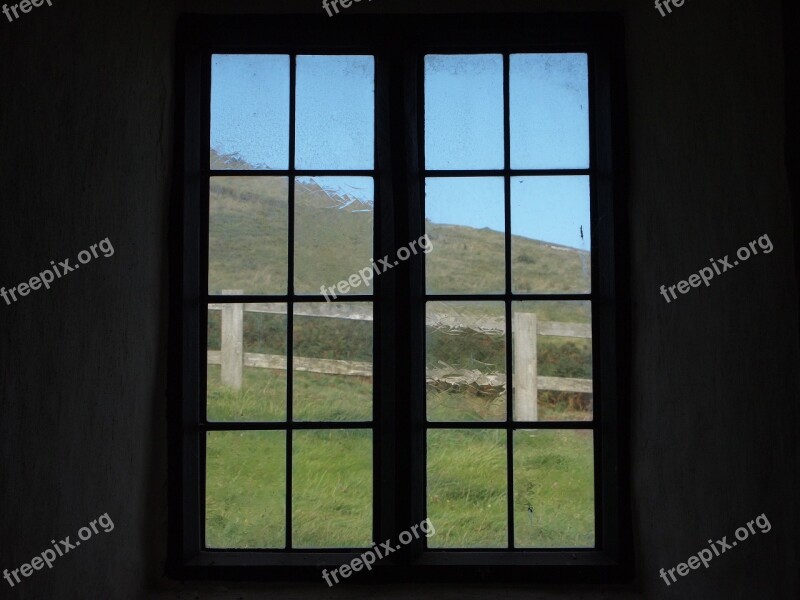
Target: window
(331,398)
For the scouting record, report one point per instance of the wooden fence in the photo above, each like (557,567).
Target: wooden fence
(526,327)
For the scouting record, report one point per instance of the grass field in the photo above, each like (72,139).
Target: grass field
(332,471)
(246,489)
(467,491)
(332,478)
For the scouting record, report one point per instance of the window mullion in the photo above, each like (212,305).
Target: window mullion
(387,353)
(409,308)
(290,303)
(508,286)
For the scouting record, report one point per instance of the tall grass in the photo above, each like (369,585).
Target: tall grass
(467,490)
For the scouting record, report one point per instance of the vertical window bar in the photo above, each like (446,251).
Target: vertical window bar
(594,217)
(290,303)
(422,404)
(202,311)
(509,331)
(378,499)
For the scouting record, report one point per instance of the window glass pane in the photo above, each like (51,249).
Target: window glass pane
(332,362)
(466,361)
(467,490)
(465,221)
(553,489)
(332,489)
(248,235)
(464,111)
(551,234)
(549,104)
(249,111)
(335,121)
(552,366)
(334,221)
(246,489)
(246,362)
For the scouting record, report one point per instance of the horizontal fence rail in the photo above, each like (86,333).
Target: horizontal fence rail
(482,324)
(526,327)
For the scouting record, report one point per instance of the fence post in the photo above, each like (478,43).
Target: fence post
(232,342)
(525,374)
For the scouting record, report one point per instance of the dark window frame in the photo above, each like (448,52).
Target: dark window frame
(399,43)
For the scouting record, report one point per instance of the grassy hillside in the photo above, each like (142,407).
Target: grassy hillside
(333,239)
(248,236)
(467,260)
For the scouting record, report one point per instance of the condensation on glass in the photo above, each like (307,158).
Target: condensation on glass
(280,237)
(501,289)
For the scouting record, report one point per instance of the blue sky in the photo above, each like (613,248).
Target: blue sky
(464,130)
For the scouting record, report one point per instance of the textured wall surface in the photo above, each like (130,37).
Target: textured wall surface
(86,121)
(85,124)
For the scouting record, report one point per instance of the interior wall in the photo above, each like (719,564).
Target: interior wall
(86,128)
(86,117)
(715,372)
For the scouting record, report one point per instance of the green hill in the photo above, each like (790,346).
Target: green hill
(248,235)
(248,229)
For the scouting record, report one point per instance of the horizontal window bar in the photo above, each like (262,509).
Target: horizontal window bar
(315,552)
(283,425)
(552,557)
(288,173)
(546,557)
(256,298)
(500,297)
(505,172)
(511,425)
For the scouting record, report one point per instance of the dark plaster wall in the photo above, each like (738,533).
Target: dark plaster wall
(86,122)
